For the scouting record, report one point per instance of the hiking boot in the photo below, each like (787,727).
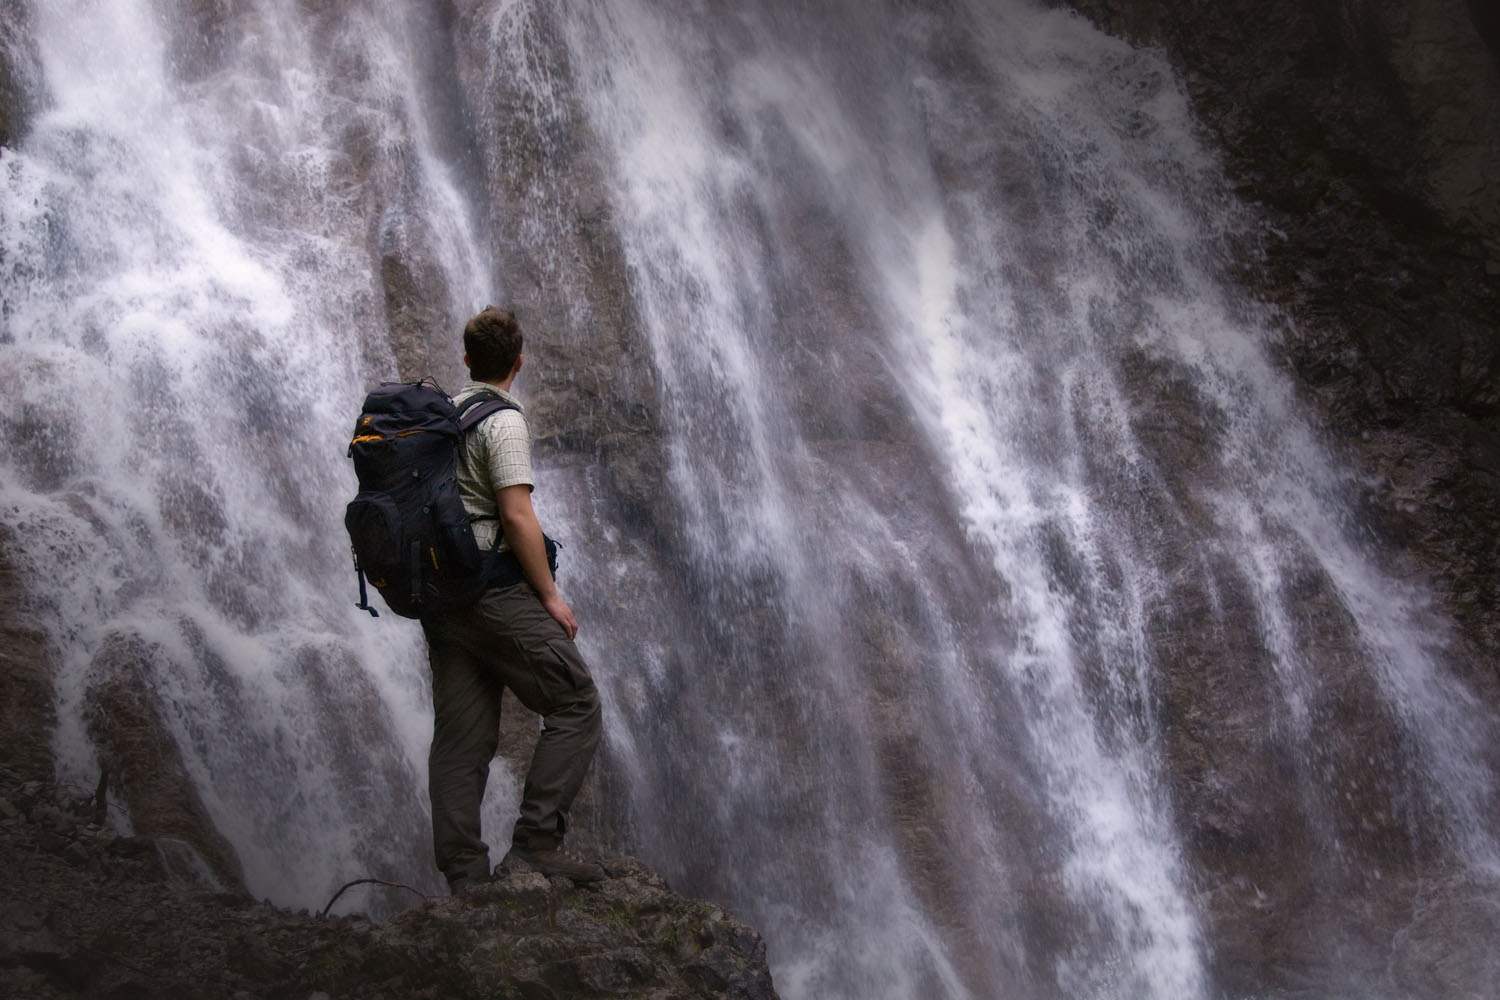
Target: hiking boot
(464,877)
(462,885)
(554,861)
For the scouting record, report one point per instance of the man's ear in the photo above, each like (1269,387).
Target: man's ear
(519,358)
(466,359)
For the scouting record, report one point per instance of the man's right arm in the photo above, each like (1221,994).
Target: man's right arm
(524,533)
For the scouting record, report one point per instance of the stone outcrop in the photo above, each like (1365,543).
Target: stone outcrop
(89,913)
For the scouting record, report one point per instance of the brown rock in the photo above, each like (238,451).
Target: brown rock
(26,716)
(133,742)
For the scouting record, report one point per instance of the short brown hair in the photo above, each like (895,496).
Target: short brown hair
(492,340)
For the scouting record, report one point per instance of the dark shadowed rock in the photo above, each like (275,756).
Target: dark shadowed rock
(1430,959)
(19,73)
(88,913)
(26,714)
(1359,132)
(1356,131)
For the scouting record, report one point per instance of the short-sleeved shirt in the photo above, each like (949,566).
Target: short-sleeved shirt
(496,454)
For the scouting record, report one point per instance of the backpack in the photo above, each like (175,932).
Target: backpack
(411,534)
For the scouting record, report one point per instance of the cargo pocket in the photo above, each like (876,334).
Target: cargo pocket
(559,672)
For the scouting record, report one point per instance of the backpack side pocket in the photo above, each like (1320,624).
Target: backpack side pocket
(374,526)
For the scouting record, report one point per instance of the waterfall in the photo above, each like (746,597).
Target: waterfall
(188,296)
(977,609)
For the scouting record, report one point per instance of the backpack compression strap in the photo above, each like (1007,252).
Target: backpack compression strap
(364,596)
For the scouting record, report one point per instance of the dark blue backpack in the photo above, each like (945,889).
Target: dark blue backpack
(411,535)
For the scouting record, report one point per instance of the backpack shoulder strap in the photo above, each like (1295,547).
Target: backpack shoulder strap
(479,406)
(474,409)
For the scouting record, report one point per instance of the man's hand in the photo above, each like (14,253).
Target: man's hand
(524,533)
(558,609)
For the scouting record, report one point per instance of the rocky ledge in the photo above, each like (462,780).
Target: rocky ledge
(89,913)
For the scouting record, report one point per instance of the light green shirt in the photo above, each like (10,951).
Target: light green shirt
(496,454)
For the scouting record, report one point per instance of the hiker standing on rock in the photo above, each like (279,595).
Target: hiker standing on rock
(519,636)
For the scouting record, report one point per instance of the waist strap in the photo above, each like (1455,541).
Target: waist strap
(505,568)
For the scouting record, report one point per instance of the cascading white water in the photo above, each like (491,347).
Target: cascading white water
(186,283)
(662,97)
(924,289)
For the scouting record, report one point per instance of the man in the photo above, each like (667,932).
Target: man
(518,636)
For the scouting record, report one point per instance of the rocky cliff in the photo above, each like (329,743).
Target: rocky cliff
(1367,136)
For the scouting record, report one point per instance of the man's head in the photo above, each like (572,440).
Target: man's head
(492,345)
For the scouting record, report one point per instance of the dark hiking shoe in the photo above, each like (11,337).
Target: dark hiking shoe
(553,862)
(466,876)
(462,885)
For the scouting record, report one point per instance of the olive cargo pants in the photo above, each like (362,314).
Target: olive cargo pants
(506,640)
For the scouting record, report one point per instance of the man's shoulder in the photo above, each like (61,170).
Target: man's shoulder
(511,406)
(471,389)
(504,425)
(507,422)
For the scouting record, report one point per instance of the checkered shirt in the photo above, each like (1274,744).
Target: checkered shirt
(496,454)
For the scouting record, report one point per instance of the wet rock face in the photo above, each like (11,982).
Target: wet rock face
(26,714)
(139,755)
(538,177)
(90,913)
(1361,132)
(1397,98)
(18,71)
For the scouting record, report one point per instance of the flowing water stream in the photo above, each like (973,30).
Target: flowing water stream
(978,489)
